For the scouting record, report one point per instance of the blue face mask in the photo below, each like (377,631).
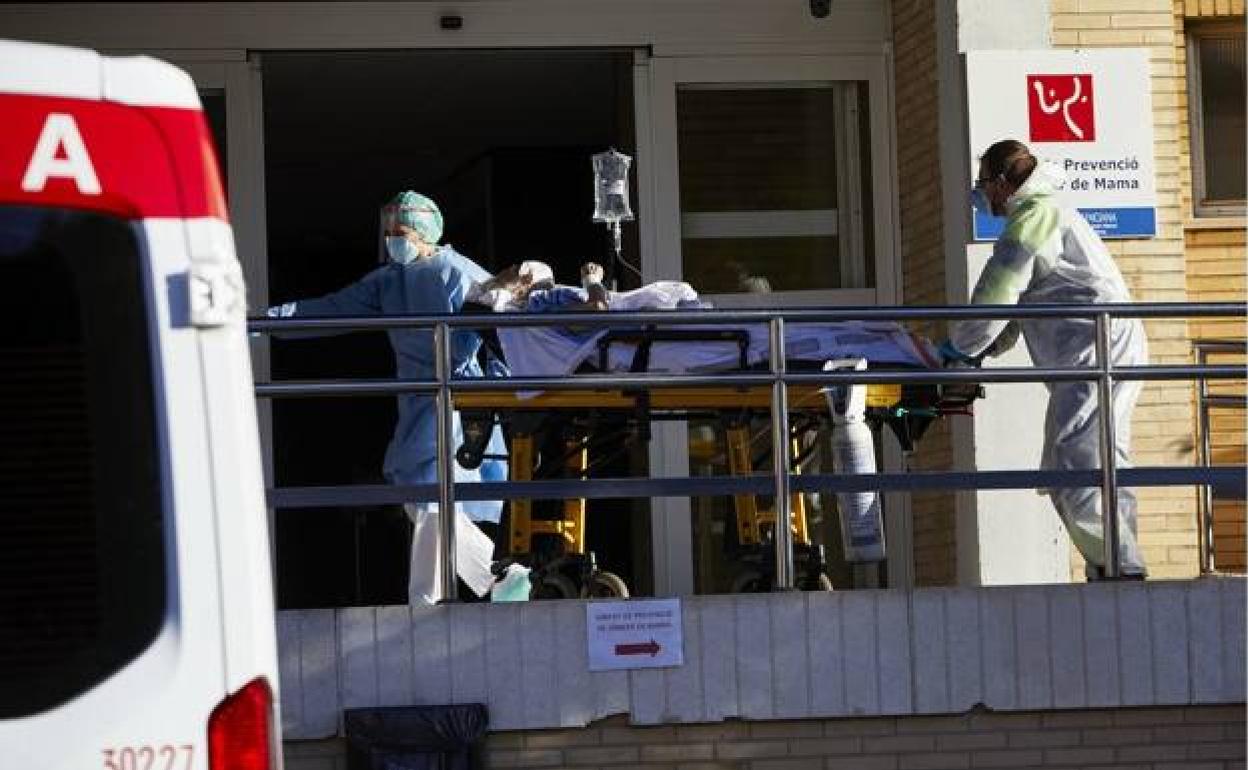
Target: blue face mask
(979,200)
(401,250)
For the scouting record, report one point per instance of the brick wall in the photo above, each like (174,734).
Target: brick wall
(1194,738)
(923,262)
(1155,269)
(1175,739)
(1216,267)
(1215,272)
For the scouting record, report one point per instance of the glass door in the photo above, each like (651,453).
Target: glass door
(230,91)
(772,186)
(773,175)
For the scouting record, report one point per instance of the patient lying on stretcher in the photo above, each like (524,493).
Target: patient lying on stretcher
(553,350)
(544,350)
(530,287)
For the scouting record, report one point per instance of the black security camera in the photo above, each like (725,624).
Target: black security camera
(820,8)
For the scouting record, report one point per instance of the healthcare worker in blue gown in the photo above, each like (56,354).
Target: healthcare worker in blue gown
(422,277)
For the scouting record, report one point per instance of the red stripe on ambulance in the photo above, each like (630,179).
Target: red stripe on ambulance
(135,162)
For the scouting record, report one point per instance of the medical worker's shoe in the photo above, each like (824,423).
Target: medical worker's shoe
(512,585)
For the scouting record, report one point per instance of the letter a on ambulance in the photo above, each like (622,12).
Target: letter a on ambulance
(60,153)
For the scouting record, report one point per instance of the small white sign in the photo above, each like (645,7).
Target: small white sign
(1090,111)
(645,633)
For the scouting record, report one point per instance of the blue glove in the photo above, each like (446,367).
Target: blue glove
(951,356)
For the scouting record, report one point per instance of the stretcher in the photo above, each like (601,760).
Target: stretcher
(558,433)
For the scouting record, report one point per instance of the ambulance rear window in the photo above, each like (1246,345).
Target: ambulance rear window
(82,566)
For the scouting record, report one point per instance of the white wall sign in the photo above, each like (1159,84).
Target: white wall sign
(634,634)
(1089,111)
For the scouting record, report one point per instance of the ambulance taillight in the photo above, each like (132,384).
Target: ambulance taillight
(240,734)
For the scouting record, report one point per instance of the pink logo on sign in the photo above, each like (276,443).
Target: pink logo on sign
(1059,108)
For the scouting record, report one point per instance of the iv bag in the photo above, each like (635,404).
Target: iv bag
(611,187)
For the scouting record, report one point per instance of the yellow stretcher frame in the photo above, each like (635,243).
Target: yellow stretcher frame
(571,527)
(879,395)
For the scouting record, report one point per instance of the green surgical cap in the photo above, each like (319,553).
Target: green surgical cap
(415,211)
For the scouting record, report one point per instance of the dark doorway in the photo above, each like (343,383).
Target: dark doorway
(501,140)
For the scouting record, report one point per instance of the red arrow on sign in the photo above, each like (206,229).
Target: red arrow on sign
(650,648)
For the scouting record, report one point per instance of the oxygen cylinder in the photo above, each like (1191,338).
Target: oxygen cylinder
(853,452)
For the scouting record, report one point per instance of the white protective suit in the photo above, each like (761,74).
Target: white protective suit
(1049,254)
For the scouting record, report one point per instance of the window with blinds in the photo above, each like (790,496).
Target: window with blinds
(774,186)
(1216,85)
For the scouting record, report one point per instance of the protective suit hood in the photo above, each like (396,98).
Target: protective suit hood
(1046,179)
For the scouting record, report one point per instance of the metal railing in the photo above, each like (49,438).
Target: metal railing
(444,386)
(1205,402)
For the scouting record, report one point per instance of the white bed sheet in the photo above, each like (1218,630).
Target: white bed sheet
(542,351)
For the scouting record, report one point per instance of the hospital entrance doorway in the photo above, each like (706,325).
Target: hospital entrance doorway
(501,140)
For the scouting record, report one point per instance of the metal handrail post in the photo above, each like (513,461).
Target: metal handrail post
(781,458)
(1109,475)
(446,472)
(1205,525)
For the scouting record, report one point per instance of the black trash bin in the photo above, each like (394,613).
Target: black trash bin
(415,737)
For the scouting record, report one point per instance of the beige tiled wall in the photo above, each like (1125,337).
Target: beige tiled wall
(923,261)
(787,655)
(1216,268)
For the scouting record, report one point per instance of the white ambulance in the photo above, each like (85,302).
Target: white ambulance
(136,609)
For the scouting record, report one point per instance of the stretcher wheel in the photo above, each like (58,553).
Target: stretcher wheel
(468,459)
(604,585)
(552,585)
(750,581)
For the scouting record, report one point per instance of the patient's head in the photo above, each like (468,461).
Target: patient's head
(511,285)
(522,278)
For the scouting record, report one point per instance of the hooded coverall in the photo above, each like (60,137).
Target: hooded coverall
(1049,254)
